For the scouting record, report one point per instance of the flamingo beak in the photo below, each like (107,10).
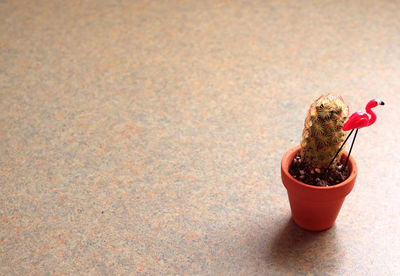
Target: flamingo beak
(381,103)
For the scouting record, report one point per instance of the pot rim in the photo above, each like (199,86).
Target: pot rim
(349,180)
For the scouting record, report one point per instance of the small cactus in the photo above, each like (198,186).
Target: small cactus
(323,134)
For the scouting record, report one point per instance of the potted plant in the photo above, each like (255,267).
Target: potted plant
(319,174)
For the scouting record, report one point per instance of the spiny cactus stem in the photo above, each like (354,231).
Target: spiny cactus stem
(333,159)
(351,147)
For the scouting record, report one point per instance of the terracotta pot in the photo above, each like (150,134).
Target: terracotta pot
(315,208)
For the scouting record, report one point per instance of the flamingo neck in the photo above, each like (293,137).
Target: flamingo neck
(372,119)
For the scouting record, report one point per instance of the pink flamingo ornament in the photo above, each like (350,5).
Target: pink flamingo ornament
(360,119)
(356,121)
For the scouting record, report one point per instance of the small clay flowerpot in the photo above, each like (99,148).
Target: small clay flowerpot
(315,208)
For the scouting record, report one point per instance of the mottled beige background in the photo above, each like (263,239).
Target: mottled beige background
(145,137)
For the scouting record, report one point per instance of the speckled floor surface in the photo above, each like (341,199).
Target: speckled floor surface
(145,137)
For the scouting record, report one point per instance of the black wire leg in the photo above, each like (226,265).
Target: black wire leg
(347,138)
(351,147)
